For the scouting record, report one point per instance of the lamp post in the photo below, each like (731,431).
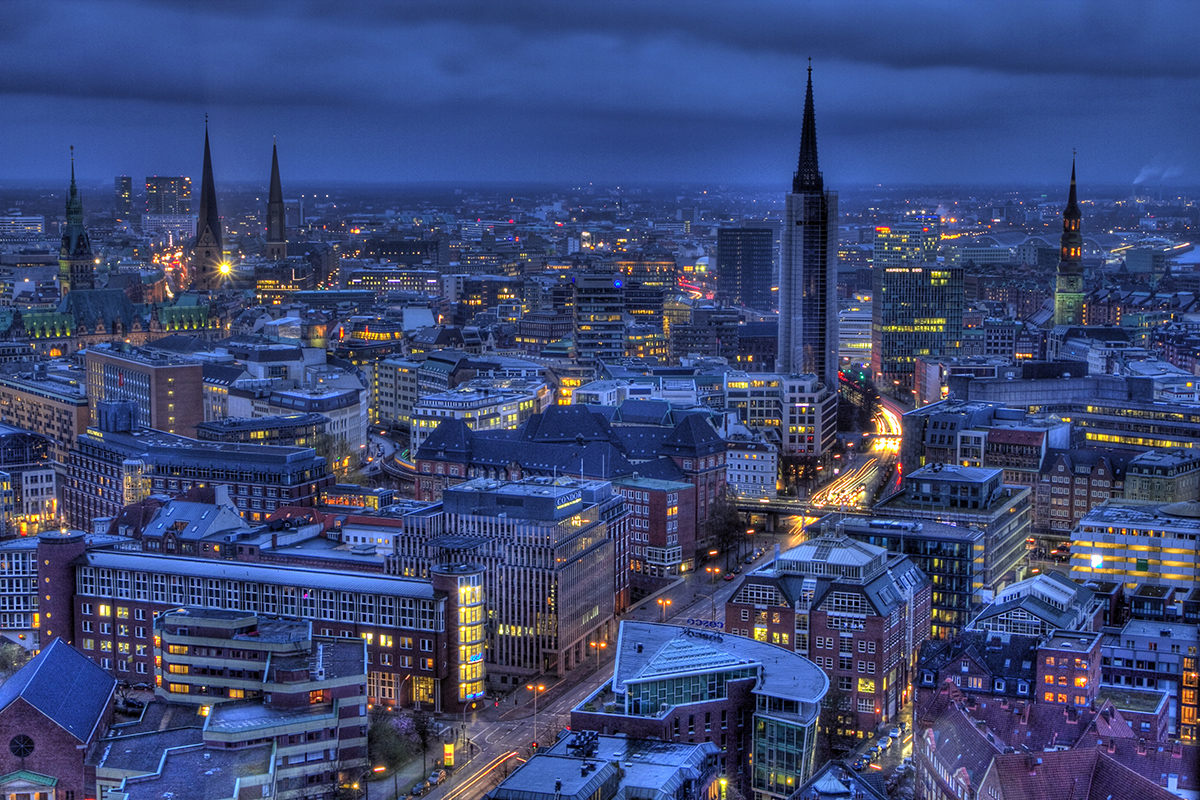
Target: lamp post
(597,646)
(713,572)
(664,603)
(536,689)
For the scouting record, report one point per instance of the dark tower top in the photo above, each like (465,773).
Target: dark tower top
(74,239)
(276,230)
(1071,243)
(210,220)
(808,177)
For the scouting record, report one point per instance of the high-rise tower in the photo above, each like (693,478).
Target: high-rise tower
(1068,287)
(276,228)
(206,263)
(808,334)
(76,267)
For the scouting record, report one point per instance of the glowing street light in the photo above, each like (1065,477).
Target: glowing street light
(597,646)
(664,603)
(536,689)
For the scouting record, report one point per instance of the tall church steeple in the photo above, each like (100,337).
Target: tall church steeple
(276,228)
(808,176)
(206,262)
(76,267)
(808,335)
(1068,285)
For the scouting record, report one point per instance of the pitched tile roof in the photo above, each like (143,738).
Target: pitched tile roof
(63,685)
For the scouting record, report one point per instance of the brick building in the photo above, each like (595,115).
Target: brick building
(49,730)
(107,592)
(858,613)
(168,391)
(663,530)
(116,463)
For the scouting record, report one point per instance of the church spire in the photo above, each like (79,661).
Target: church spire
(1068,290)
(808,177)
(76,268)
(276,228)
(206,263)
(209,218)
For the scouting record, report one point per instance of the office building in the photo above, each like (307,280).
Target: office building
(662,517)
(971,497)
(28,500)
(294,689)
(207,267)
(1137,542)
(123,194)
(168,195)
(751,464)
(485,405)
(299,429)
(808,333)
(852,608)
(168,391)
(50,402)
(547,556)
(905,243)
(745,262)
(758,702)
(116,463)
(1161,476)
(76,264)
(951,556)
(916,313)
(1068,283)
(107,589)
(599,316)
(1158,656)
(22,226)
(797,413)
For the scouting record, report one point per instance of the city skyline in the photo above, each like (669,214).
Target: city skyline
(912,93)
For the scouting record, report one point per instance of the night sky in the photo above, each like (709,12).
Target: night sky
(609,91)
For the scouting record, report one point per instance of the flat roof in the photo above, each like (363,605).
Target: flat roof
(1125,698)
(264,573)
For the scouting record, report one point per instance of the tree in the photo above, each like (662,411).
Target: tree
(423,729)
(724,526)
(12,658)
(342,460)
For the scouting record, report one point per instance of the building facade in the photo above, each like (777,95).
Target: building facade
(808,332)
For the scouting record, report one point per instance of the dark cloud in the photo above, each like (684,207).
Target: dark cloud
(621,89)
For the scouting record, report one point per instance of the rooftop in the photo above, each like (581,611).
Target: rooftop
(201,774)
(648,651)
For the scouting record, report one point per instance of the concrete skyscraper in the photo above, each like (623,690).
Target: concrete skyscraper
(76,265)
(745,258)
(276,227)
(123,189)
(206,263)
(168,195)
(808,334)
(1068,286)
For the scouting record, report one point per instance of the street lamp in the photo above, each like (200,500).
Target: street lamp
(536,689)
(713,572)
(598,646)
(664,603)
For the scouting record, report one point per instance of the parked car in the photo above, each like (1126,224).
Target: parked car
(859,764)
(885,743)
(728,576)
(894,733)
(420,789)
(900,769)
(873,750)
(437,776)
